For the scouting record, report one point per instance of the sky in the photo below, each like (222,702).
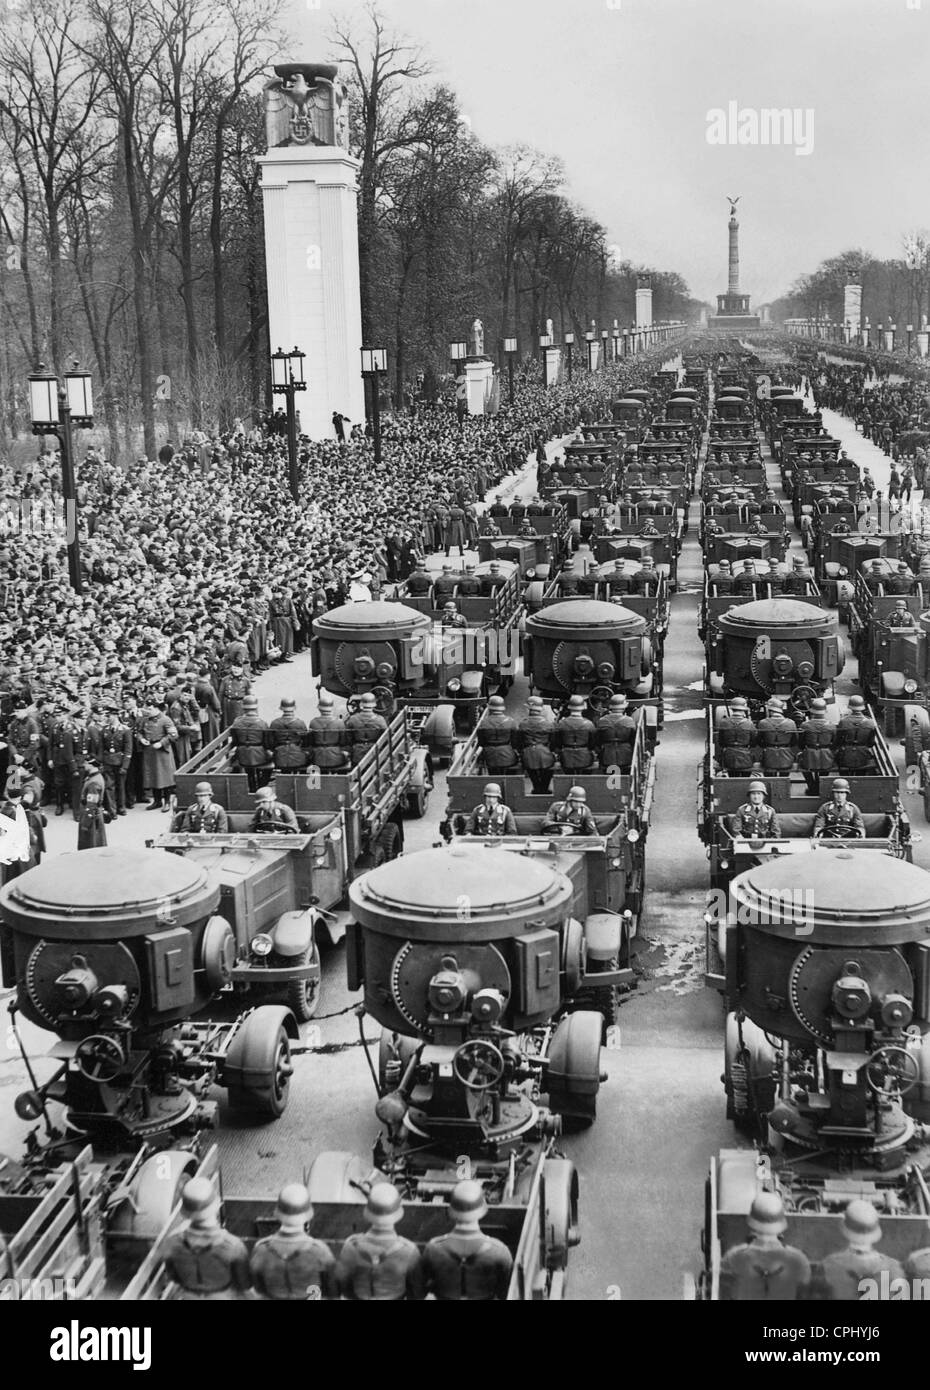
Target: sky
(620,90)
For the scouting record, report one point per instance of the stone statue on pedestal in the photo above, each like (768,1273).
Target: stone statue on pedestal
(477,339)
(305,105)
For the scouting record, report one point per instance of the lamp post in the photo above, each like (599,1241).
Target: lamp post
(57,408)
(287,377)
(458,351)
(604,340)
(569,341)
(374,362)
(510,349)
(910,335)
(589,348)
(616,337)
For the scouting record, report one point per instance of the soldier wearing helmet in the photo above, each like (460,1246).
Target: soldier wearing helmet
(575,737)
(364,728)
(838,1277)
(495,737)
(646,579)
(571,816)
(723,578)
(250,736)
(451,617)
(799,580)
(378,1264)
(616,732)
(755,819)
(444,586)
(618,581)
(288,737)
(534,737)
(839,818)
(901,616)
(902,581)
(206,1261)
(816,739)
(491,816)
(327,737)
(778,737)
(291,1266)
(736,737)
(271,816)
(569,579)
(465,1264)
(494,579)
(764,1269)
(855,738)
(204,816)
(745,583)
(875,577)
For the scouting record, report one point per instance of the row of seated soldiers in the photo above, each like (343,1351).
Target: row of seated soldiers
(772,577)
(722,501)
(779,743)
(517,510)
(287,744)
(451,584)
(574,580)
(207,1262)
(540,744)
(766,1269)
(880,582)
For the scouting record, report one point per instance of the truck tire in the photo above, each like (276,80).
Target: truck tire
(303,996)
(389,842)
(916,733)
(575,1069)
(266,1057)
(560,1215)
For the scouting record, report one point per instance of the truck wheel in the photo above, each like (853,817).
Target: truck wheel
(269,1072)
(599,999)
(303,996)
(389,842)
(418,800)
(575,1069)
(916,733)
(560,1195)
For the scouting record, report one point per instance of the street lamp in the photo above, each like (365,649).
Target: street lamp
(894,335)
(589,348)
(57,407)
(287,377)
(374,362)
(458,351)
(510,348)
(604,338)
(616,337)
(569,340)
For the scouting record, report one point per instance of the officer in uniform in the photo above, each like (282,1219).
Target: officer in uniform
(616,732)
(206,1261)
(902,582)
(618,581)
(575,737)
(327,737)
(723,579)
(855,737)
(736,737)
(745,583)
(465,1265)
(82,748)
(798,581)
(839,818)
(378,1264)
(755,820)
(271,816)
(420,581)
(250,736)
(493,580)
(646,579)
(569,580)
(838,1277)
(444,586)
(469,584)
(491,816)
(287,737)
(572,814)
(364,728)
(816,738)
(764,1269)
(92,824)
(234,687)
(495,736)
(204,816)
(116,744)
(291,1266)
(778,737)
(61,755)
(534,736)
(901,616)
(875,578)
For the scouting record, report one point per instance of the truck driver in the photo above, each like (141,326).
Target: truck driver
(839,818)
(271,816)
(571,816)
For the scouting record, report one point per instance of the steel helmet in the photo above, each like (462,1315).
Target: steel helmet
(856,702)
(203,789)
(325,700)
(199,1195)
(818,705)
(492,789)
(577,794)
(264,794)
(496,702)
(840,785)
(294,1200)
(250,702)
(468,1199)
(757,787)
(767,1215)
(367,701)
(861,1224)
(576,702)
(384,1202)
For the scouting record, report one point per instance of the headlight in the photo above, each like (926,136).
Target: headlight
(384,670)
(910,687)
(454,686)
(336,833)
(261,945)
(605,670)
(842,572)
(632,835)
(805,669)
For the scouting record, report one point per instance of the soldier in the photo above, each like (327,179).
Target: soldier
(575,737)
(469,584)
(498,507)
(534,735)
(61,753)
(778,738)
(855,737)
(491,816)
(292,1266)
(465,1264)
(755,820)
(451,617)
(569,580)
(616,732)
(82,747)
(902,581)
(115,756)
(92,824)
(617,580)
(364,728)
(495,736)
(327,737)
(775,579)
(250,737)
(723,579)
(745,583)
(839,818)
(649,528)
(23,724)
(646,579)
(207,705)
(571,816)
(736,737)
(816,739)
(493,580)
(798,581)
(271,816)
(838,1277)
(444,586)
(233,689)
(756,526)
(901,616)
(764,1269)
(420,581)
(204,816)
(875,578)
(378,1264)
(206,1261)
(288,738)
